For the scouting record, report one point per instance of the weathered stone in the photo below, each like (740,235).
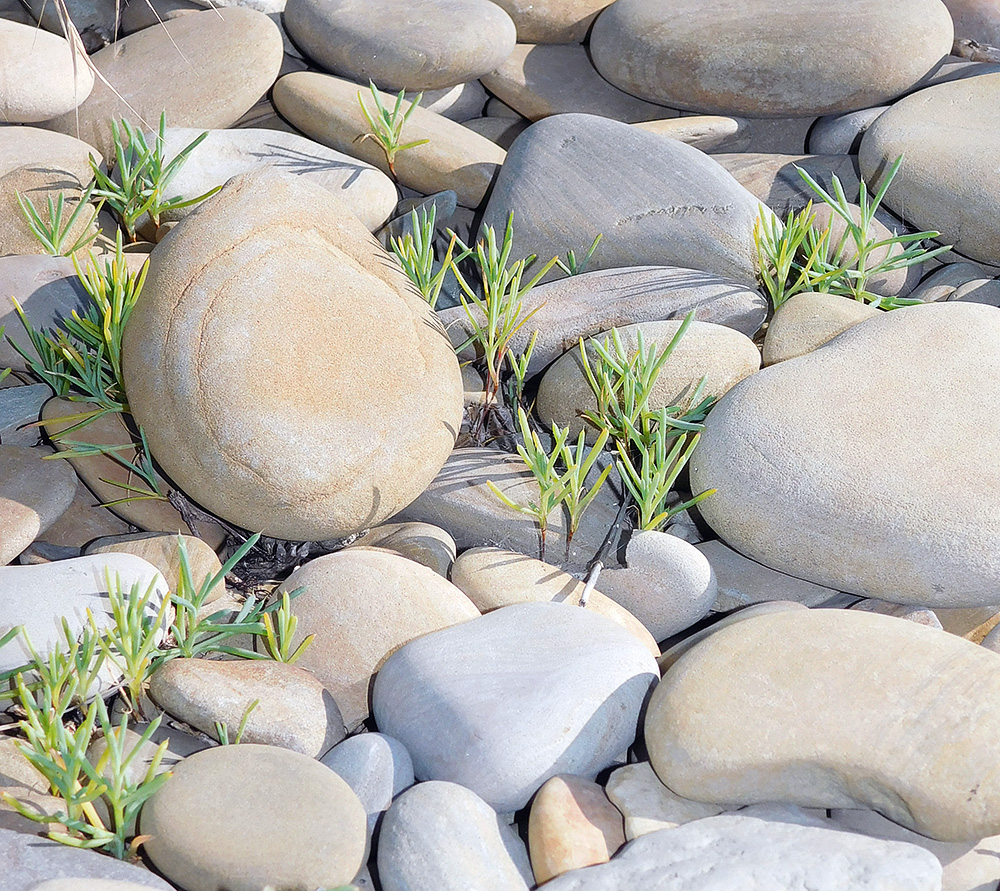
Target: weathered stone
(708,132)
(423,543)
(35,146)
(919,614)
(648,805)
(807,321)
(457,103)
(82,522)
(34,493)
(564,21)
(278,441)
(20,407)
(942,283)
(38,185)
(502,703)
(841,133)
(977,20)
(660,54)
(904,746)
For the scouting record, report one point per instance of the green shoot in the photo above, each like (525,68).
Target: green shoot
(578,463)
(519,372)
(278,634)
(571,266)
(785,269)
(387,126)
(415,253)
(54,235)
(222,729)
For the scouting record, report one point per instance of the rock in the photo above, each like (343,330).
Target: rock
(362,605)
(448,43)
(585,305)
(503,703)
(541,80)
(40,76)
(93,19)
(423,543)
(975,19)
(327,109)
(77,884)
(352,468)
(648,805)
(841,133)
(38,185)
(721,355)
(668,585)
(955,198)
(985,291)
(942,283)
(566,21)
(368,193)
(459,501)
(657,201)
(300,824)
(377,767)
(842,753)
(180,745)
(23,145)
(457,103)
(972,624)
(82,522)
(443,836)
(807,321)
(742,581)
(239,51)
(34,493)
(662,57)
(571,825)
(791,852)
(811,513)
(29,860)
(493,578)
(294,710)
(708,132)
(19,408)
(919,614)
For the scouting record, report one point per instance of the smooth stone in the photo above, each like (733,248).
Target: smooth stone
(919,614)
(377,767)
(294,709)
(78,884)
(647,805)
(163,552)
(20,407)
(137,16)
(661,55)
(326,109)
(911,545)
(571,825)
(278,442)
(238,51)
(708,132)
(505,702)
(34,493)
(362,605)
(668,584)
(721,355)
(945,182)
(459,501)
(940,783)
(457,103)
(107,478)
(943,282)
(299,826)
(423,543)
(446,42)
(38,597)
(776,182)
(976,19)
(492,578)
(552,21)
(972,624)
(985,291)
(656,201)
(780,136)
(36,146)
(497,109)
(40,77)
(38,184)
(584,305)
(368,193)
(840,134)
(443,836)
(539,80)
(742,581)
(29,860)
(82,522)
(808,320)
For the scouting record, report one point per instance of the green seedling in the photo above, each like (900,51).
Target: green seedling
(415,253)
(785,268)
(571,266)
(387,126)
(578,463)
(278,633)
(519,372)
(222,729)
(54,235)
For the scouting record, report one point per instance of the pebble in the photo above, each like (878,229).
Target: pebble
(505,702)
(917,746)
(708,132)
(840,134)
(363,604)
(807,320)
(457,103)
(245,816)
(546,21)
(40,147)
(21,406)
(422,543)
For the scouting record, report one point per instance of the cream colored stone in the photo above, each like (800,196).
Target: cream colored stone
(38,184)
(42,148)
(708,132)
(808,320)
(423,543)
(648,805)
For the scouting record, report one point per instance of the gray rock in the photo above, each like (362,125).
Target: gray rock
(708,132)
(661,56)
(648,805)
(20,406)
(840,134)
(552,21)
(656,201)
(34,145)
(441,835)
(457,103)
(504,702)
(790,497)
(422,543)
(978,20)
(34,493)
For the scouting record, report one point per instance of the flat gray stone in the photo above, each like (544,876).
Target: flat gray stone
(20,406)
(841,133)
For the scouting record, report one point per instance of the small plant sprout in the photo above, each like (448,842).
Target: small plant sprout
(542,464)
(415,253)
(222,729)
(519,372)
(782,268)
(144,176)
(578,463)
(499,314)
(54,235)
(278,633)
(387,126)
(571,266)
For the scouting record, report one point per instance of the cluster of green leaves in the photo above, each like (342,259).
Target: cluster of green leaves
(387,126)
(571,266)
(797,256)
(415,252)
(54,233)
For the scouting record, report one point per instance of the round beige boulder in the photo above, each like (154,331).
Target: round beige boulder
(256,364)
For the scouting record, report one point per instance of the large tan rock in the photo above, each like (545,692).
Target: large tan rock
(552,21)
(39,184)
(835,709)
(289,416)
(43,148)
